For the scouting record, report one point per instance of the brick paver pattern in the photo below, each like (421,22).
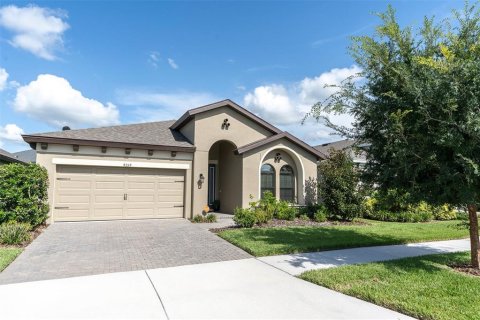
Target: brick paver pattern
(71,249)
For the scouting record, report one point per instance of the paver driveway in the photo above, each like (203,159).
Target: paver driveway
(85,248)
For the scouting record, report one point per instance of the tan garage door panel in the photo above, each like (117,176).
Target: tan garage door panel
(102,193)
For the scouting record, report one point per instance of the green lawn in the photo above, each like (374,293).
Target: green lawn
(273,241)
(7,255)
(422,287)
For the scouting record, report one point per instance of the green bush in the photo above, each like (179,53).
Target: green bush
(23,193)
(261,216)
(209,218)
(245,218)
(402,216)
(444,212)
(14,233)
(304,217)
(285,212)
(320,215)
(338,185)
(392,200)
(198,218)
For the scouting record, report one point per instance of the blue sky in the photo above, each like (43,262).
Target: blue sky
(90,63)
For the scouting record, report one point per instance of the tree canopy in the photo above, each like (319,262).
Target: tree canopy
(416,105)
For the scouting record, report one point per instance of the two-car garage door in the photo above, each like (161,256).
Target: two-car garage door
(108,193)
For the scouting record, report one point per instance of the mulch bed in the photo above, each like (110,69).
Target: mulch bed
(294,223)
(465,268)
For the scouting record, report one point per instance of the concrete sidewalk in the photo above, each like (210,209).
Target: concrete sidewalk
(248,289)
(295,264)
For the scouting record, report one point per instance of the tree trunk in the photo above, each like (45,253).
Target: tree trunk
(474,242)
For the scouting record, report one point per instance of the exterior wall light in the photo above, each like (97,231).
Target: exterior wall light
(173,154)
(76,147)
(44,145)
(201,180)
(150,152)
(128,150)
(104,149)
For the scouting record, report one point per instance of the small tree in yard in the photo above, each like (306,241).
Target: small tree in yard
(416,105)
(338,185)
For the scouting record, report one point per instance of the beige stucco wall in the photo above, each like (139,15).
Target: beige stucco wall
(305,166)
(208,130)
(44,158)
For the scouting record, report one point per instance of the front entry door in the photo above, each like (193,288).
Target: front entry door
(212,180)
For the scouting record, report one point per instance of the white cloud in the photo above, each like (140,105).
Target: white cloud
(3,79)
(153,59)
(35,29)
(286,105)
(172,63)
(53,100)
(11,133)
(151,106)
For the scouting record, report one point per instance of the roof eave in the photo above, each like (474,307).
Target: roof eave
(33,139)
(286,135)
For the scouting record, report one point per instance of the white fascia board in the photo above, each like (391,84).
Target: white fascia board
(126,164)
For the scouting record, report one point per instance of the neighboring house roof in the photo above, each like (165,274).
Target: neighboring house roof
(347,145)
(8,157)
(286,135)
(154,135)
(26,155)
(187,116)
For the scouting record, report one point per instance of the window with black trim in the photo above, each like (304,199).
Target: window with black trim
(287,184)
(267,179)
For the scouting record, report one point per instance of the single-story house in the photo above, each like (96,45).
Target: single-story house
(7,157)
(217,154)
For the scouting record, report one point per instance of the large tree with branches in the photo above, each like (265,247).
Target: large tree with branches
(416,105)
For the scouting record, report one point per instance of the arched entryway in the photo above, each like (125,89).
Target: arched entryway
(224,177)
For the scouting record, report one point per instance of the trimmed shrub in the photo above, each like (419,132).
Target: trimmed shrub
(245,218)
(444,212)
(261,216)
(197,218)
(320,215)
(23,193)
(210,218)
(304,217)
(14,233)
(402,216)
(285,211)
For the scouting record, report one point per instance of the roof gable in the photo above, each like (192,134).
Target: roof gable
(279,136)
(187,116)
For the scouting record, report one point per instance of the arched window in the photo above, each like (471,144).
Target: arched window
(287,183)
(267,179)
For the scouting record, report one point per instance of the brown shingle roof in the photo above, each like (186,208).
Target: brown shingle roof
(347,145)
(142,134)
